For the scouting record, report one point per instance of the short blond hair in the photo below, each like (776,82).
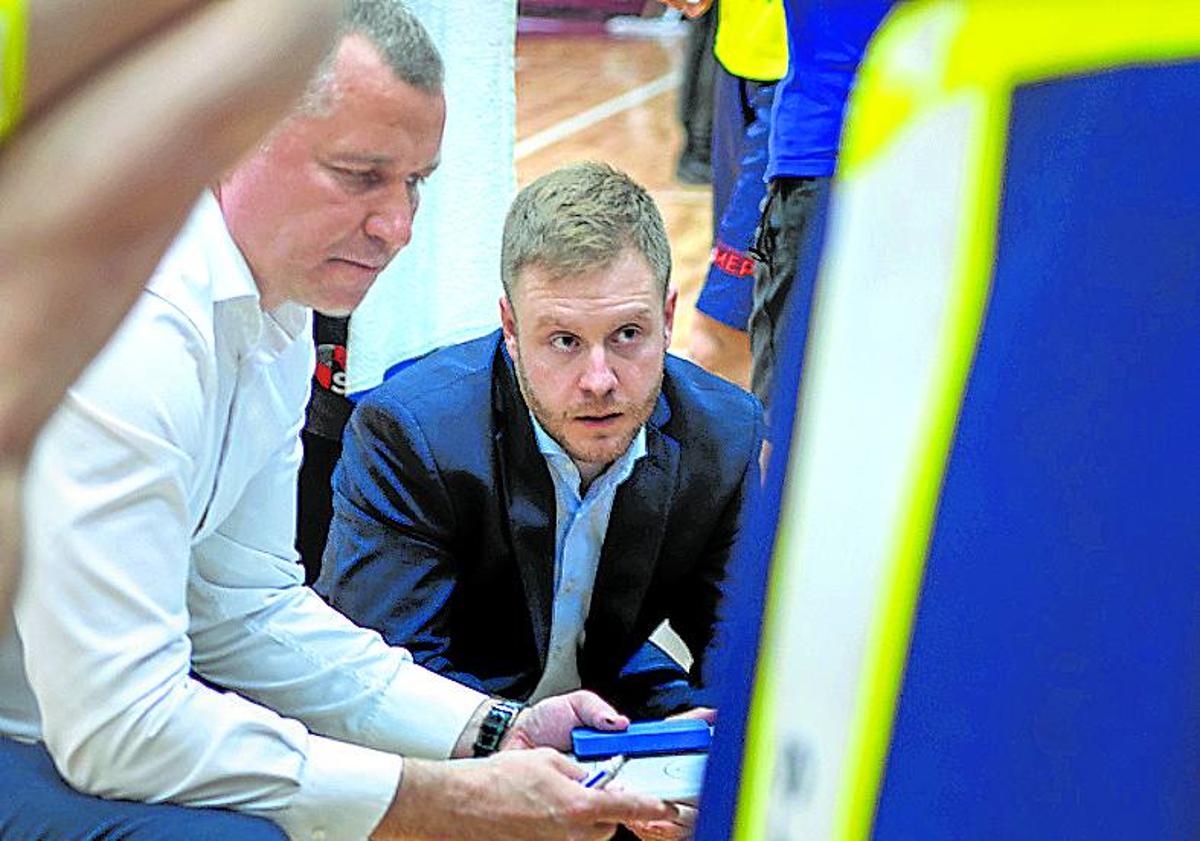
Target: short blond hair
(579,218)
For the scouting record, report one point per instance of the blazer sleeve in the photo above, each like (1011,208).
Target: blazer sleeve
(389,562)
(699,605)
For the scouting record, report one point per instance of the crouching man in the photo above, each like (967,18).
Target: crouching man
(521,511)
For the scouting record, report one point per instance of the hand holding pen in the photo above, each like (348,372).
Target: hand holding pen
(603,775)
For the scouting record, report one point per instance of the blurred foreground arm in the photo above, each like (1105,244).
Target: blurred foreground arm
(94,185)
(131,106)
(70,41)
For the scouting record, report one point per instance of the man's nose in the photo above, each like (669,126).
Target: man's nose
(598,377)
(391,222)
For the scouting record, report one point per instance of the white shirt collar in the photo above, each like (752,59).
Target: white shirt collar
(233,283)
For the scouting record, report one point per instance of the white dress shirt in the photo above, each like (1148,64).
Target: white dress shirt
(161,506)
(581,524)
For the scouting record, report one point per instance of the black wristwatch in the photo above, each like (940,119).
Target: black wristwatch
(495,726)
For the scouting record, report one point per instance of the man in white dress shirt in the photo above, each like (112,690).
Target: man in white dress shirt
(161,505)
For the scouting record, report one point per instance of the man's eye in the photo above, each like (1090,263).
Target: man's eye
(359,177)
(627,334)
(562,342)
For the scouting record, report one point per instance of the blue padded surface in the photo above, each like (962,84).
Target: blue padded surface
(1052,687)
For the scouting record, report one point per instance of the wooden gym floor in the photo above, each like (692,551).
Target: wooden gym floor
(610,99)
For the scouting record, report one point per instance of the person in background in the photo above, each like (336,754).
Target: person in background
(169,644)
(325,420)
(751,54)
(826,42)
(100,159)
(521,511)
(694,165)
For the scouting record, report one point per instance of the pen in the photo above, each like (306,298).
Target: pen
(604,774)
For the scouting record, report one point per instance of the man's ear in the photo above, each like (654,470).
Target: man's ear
(508,323)
(669,314)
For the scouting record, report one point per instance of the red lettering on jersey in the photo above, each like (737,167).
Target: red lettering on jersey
(732,261)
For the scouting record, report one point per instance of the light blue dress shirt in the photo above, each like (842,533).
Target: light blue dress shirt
(581,523)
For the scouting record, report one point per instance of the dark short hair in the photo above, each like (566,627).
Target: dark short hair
(400,39)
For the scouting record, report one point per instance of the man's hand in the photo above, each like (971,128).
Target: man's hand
(676,829)
(518,796)
(702,713)
(682,826)
(549,722)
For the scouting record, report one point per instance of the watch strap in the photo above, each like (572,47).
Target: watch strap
(496,723)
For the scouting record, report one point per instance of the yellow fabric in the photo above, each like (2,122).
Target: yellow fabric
(752,39)
(12,62)
(987,47)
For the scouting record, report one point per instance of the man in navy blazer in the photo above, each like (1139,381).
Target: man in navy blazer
(521,511)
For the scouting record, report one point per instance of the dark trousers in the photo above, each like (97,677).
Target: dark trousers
(787,248)
(37,805)
(696,90)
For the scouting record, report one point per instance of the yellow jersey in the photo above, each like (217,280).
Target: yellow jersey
(13,22)
(752,39)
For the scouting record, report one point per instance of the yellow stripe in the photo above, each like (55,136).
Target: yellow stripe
(993,46)
(13,33)
(758,762)
(758,756)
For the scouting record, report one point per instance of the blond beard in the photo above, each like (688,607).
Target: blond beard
(640,412)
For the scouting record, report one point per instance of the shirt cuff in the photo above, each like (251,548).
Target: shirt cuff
(422,713)
(344,792)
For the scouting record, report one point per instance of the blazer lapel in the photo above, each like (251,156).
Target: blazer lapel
(631,545)
(528,497)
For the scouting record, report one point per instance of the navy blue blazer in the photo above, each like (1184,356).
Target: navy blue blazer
(444,528)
